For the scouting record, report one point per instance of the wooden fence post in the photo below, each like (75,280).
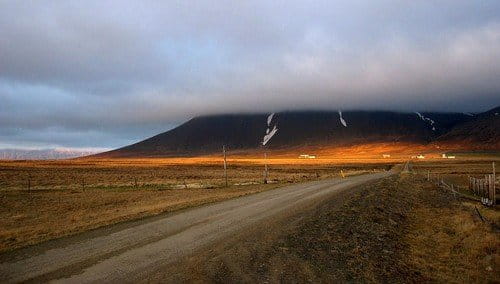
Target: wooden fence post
(494,180)
(480,186)
(483,186)
(486,187)
(491,189)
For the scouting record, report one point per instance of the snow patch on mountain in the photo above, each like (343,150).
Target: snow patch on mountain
(342,120)
(270,119)
(426,119)
(269,133)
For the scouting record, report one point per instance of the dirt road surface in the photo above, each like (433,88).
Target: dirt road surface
(121,252)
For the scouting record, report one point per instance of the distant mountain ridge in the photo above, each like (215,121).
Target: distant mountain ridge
(207,134)
(44,154)
(483,129)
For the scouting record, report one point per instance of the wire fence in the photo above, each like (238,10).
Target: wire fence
(483,188)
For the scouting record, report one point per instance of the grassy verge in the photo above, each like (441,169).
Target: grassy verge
(448,242)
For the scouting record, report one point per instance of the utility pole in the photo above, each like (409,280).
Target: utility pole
(267,137)
(265,168)
(225,163)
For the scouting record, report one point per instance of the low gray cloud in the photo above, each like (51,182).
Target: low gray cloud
(108,73)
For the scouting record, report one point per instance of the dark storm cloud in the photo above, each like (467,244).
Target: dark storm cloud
(107,73)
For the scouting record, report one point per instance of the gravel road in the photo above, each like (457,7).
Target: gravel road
(118,253)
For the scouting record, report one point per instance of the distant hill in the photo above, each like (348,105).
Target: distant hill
(481,132)
(207,134)
(44,154)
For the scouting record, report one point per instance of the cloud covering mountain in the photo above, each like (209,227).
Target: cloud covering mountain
(107,73)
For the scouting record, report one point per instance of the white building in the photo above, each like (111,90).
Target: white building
(444,156)
(306,156)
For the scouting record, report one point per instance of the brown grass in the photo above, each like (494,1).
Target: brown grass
(457,172)
(58,204)
(448,241)
(157,173)
(450,245)
(28,218)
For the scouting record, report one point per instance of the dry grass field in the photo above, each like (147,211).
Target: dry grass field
(161,174)
(42,200)
(457,172)
(440,237)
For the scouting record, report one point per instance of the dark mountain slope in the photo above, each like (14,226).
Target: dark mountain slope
(200,134)
(207,134)
(480,132)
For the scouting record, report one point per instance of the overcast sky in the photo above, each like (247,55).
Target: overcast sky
(108,73)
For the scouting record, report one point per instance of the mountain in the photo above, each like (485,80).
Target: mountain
(481,132)
(207,134)
(44,154)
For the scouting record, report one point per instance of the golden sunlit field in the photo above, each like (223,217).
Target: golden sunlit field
(41,200)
